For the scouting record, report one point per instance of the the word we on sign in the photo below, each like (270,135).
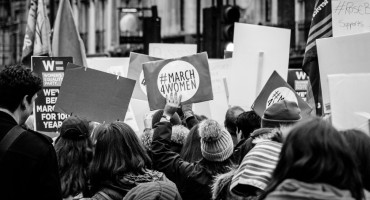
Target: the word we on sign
(188,76)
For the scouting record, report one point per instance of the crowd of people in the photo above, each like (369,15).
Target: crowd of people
(180,154)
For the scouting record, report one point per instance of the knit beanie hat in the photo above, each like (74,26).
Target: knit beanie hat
(175,119)
(281,112)
(159,190)
(257,167)
(216,143)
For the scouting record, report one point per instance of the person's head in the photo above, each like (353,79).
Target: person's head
(359,142)
(158,190)
(216,143)
(178,137)
(315,152)
(18,90)
(175,119)
(117,151)
(247,122)
(74,152)
(230,118)
(281,113)
(191,149)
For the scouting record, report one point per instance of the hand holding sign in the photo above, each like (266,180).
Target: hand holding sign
(173,102)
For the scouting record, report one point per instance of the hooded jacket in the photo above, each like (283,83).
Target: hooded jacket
(291,189)
(118,189)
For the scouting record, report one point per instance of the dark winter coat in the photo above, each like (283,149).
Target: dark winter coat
(29,169)
(192,179)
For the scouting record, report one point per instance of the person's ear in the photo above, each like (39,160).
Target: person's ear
(23,102)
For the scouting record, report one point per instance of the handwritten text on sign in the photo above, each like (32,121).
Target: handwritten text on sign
(350,17)
(178,77)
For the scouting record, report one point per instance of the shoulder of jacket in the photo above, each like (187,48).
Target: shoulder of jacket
(41,136)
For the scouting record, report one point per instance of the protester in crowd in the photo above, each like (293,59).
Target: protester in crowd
(28,163)
(359,142)
(262,151)
(192,179)
(74,153)
(246,123)
(159,190)
(230,121)
(191,151)
(315,162)
(120,162)
(178,137)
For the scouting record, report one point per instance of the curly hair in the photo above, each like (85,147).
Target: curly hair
(15,83)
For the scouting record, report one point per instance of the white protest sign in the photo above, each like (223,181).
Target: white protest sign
(117,66)
(340,55)
(350,17)
(350,107)
(139,108)
(258,51)
(166,51)
(216,108)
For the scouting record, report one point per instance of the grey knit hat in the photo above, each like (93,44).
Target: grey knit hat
(216,143)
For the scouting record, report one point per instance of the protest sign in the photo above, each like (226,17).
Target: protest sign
(51,70)
(117,66)
(350,99)
(139,109)
(93,94)
(350,17)
(188,76)
(217,107)
(346,54)
(135,72)
(257,53)
(298,80)
(275,90)
(167,51)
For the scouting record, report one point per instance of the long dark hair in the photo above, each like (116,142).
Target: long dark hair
(315,152)
(74,157)
(360,143)
(117,151)
(191,151)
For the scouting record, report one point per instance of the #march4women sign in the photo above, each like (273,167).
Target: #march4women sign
(188,76)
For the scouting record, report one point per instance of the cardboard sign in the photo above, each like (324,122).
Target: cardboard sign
(167,51)
(188,76)
(258,51)
(135,72)
(298,80)
(93,94)
(350,17)
(51,70)
(350,99)
(342,55)
(275,90)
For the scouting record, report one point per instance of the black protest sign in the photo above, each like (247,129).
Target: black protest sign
(275,90)
(135,72)
(298,80)
(96,95)
(188,76)
(51,70)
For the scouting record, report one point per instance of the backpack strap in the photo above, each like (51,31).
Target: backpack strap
(9,138)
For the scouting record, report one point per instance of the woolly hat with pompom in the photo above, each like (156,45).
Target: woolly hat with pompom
(216,143)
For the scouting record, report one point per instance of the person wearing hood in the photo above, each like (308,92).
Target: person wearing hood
(261,152)
(120,162)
